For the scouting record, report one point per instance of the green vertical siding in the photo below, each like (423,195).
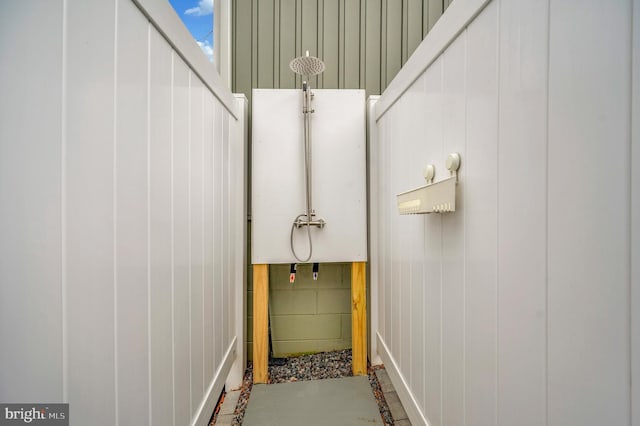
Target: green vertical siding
(265,49)
(431,13)
(370,57)
(392,61)
(242,46)
(414,26)
(363,43)
(350,57)
(286,33)
(330,43)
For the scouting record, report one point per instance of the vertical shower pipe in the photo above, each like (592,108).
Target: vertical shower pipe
(307,66)
(306,111)
(307,130)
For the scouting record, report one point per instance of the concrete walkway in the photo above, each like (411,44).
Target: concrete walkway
(345,401)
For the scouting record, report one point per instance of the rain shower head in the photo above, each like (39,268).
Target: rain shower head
(307,65)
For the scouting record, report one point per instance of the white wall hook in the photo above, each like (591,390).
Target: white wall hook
(429,172)
(453,163)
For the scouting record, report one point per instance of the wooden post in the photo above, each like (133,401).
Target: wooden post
(260,323)
(358,318)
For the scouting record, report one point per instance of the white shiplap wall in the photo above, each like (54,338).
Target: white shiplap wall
(515,309)
(121,159)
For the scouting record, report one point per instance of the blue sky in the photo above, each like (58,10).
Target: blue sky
(197,16)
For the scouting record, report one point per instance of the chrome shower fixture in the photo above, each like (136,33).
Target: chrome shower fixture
(306,66)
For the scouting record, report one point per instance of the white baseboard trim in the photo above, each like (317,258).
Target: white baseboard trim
(203,415)
(400,384)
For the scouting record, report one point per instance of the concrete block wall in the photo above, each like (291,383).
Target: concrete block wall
(307,316)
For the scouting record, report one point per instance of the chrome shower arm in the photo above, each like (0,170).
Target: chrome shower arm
(309,151)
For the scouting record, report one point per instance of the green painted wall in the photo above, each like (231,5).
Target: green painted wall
(363,43)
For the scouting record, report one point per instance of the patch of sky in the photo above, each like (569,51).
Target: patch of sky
(197,16)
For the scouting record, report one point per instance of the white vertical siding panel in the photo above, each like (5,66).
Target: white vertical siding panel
(31,152)
(181,343)
(385,246)
(417,322)
(375,226)
(406,177)
(411,174)
(232,209)
(207,296)
(453,229)
(411,142)
(386,209)
(90,206)
(160,229)
(225,203)
(374,232)
(196,240)
(217,226)
(433,136)
(215,250)
(239,169)
(396,244)
(131,168)
(481,218)
(521,213)
(397,176)
(383,208)
(589,129)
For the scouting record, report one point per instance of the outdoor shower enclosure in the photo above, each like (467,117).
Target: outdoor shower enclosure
(122,216)
(279,194)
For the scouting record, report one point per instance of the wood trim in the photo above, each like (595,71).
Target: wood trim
(359,317)
(260,323)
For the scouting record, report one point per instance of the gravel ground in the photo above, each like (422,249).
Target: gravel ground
(324,365)
(377,392)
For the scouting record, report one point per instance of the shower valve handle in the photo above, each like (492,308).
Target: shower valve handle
(299,223)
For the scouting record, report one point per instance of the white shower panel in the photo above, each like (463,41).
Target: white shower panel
(338,175)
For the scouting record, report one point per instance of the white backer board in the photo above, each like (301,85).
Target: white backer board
(338,168)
